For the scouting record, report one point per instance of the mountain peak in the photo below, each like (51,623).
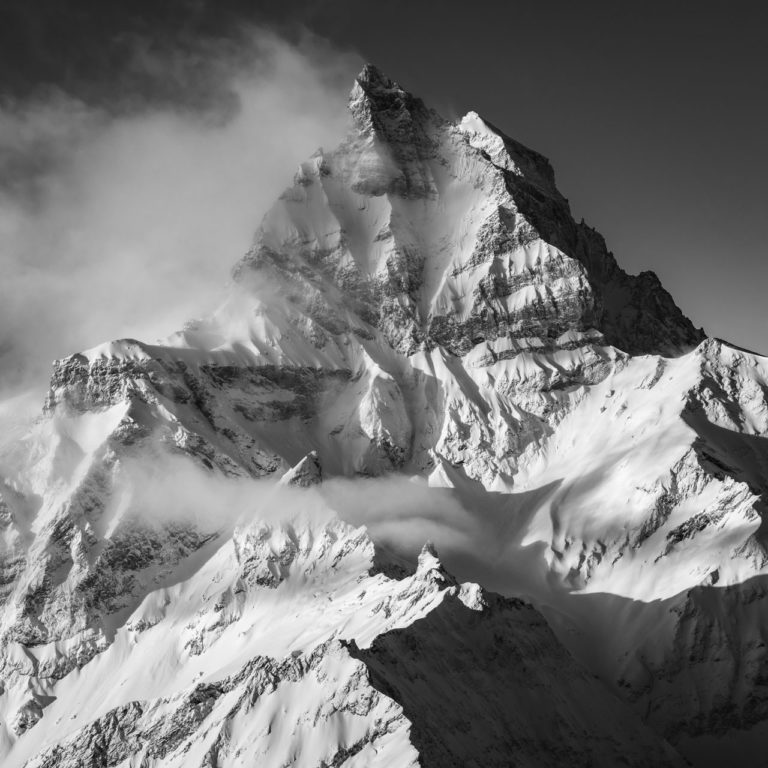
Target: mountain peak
(457,237)
(372,77)
(381,107)
(373,87)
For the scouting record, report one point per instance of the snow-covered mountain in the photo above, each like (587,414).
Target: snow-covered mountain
(208,545)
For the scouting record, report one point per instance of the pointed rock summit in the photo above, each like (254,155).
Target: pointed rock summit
(372,79)
(453,235)
(380,95)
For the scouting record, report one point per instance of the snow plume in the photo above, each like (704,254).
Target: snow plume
(126,222)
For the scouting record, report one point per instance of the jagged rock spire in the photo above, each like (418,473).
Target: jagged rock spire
(372,77)
(380,107)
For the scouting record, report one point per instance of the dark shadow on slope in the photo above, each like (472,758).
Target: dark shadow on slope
(743,457)
(497,522)
(695,666)
(727,453)
(494,687)
(634,312)
(477,532)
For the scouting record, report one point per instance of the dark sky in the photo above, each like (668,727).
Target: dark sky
(654,114)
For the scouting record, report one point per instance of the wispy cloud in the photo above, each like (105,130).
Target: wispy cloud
(126,222)
(477,536)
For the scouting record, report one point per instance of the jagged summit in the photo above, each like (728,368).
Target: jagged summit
(371,77)
(431,567)
(452,235)
(382,94)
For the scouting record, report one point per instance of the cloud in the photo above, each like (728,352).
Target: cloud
(477,534)
(126,222)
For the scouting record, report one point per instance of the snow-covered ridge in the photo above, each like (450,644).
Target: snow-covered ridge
(285,646)
(420,314)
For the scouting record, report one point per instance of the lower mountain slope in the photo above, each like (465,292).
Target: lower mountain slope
(287,645)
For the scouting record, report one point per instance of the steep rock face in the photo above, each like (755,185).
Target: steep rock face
(455,649)
(419,302)
(408,248)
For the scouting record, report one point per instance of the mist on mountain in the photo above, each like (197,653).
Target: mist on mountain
(125,222)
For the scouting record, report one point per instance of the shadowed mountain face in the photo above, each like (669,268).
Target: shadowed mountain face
(435,666)
(421,340)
